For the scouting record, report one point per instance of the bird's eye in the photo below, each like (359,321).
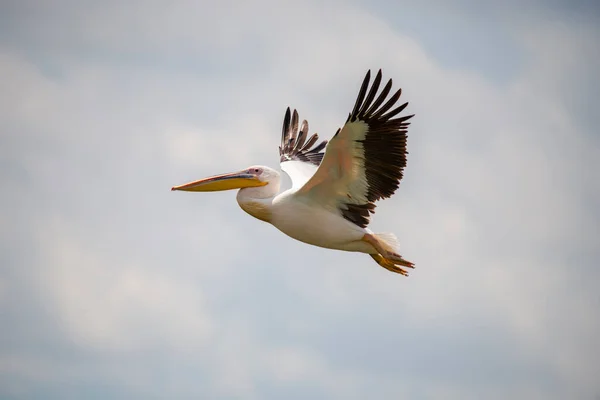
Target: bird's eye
(255,170)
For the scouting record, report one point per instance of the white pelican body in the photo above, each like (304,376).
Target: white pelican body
(333,192)
(307,221)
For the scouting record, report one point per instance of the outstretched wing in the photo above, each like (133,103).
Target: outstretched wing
(365,159)
(299,157)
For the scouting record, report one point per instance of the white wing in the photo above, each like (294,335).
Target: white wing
(364,160)
(298,158)
(299,172)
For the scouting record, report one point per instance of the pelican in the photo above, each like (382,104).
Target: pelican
(335,184)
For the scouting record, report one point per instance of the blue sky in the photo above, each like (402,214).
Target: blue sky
(113,286)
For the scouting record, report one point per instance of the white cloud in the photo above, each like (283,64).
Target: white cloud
(110,303)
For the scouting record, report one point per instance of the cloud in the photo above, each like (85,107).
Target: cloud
(129,307)
(112,284)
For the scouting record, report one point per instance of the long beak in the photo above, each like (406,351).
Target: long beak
(235,180)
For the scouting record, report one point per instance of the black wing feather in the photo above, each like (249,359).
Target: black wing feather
(295,146)
(384,146)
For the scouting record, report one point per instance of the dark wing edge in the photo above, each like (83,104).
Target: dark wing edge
(294,144)
(384,145)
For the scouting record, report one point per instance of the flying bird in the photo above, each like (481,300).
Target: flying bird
(335,184)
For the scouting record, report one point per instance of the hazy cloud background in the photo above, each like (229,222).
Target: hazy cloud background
(111,286)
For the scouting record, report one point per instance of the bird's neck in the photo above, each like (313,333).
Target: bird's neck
(258,207)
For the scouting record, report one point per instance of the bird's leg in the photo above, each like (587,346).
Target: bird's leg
(382,248)
(388,264)
(373,241)
(388,259)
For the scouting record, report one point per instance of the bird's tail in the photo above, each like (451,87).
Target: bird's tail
(389,241)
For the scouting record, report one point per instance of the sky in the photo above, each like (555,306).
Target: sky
(112,286)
